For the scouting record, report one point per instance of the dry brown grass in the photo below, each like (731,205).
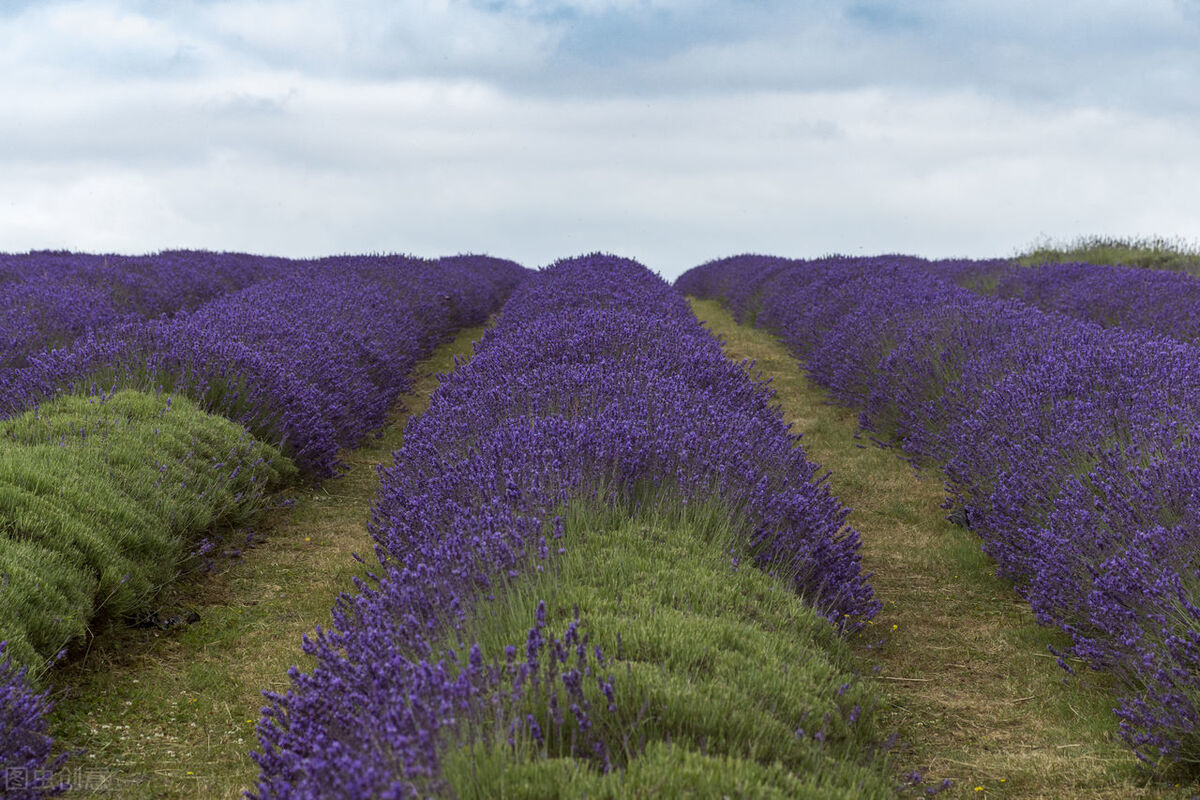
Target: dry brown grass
(172,714)
(970,686)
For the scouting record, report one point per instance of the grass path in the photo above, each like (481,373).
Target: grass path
(971,688)
(172,714)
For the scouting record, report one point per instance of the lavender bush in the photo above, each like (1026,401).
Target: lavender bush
(1070,448)
(597,385)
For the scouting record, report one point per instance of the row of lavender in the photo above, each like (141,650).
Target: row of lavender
(48,299)
(1072,449)
(1155,301)
(309,356)
(597,385)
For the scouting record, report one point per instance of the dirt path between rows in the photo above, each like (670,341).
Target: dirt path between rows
(970,686)
(172,714)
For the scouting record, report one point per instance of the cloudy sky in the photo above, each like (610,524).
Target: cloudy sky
(672,131)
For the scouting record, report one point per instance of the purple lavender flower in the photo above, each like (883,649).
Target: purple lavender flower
(27,766)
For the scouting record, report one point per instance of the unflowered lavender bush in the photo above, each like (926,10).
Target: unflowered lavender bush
(1070,447)
(597,384)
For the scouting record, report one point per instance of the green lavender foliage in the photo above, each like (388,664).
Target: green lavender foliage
(727,684)
(104,500)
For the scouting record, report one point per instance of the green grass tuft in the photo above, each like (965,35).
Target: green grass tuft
(1154,252)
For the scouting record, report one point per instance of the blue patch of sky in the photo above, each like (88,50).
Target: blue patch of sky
(14,8)
(606,36)
(613,37)
(884,17)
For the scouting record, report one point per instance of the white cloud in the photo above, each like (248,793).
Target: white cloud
(437,167)
(710,128)
(376,40)
(87,42)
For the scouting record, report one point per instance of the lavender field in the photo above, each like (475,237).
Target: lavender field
(1065,428)
(605,563)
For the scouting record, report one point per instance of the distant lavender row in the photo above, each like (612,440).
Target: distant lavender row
(597,384)
(48,299)
(311,360)
(1156,301)
(1073,449)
